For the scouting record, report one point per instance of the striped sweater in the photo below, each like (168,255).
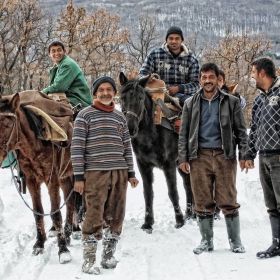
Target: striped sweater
(101,141)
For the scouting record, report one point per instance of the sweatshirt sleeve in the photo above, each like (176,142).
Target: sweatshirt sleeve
(128,151)
(78,147)
(64,78)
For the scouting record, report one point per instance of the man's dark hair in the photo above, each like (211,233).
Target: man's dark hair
(267,65)
(208,67)
(55,44)
(222,73)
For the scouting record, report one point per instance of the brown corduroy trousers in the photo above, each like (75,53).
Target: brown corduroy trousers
(105,195)
(213,182)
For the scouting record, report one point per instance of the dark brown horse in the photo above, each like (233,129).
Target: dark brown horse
(154,146)
(41,162)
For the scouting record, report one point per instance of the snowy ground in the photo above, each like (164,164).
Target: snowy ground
(165,254)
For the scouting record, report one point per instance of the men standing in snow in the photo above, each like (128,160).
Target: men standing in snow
(175,65)
(264,138)
(102,160)
(212,125)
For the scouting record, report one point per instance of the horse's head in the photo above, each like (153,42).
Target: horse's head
(133,101)
(8,124)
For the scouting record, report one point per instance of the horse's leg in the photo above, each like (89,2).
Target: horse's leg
(189,195)
(147,177)
(63,252)
(35,191)
(169,170)
(67,186)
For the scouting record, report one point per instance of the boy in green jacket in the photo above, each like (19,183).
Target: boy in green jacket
(66,76)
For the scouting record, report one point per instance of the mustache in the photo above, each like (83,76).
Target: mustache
(106,96)
(206,84)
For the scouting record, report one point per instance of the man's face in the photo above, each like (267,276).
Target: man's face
(174,42)
(257,77)
(209,81)
(105,93)
(221,81)
(56,54)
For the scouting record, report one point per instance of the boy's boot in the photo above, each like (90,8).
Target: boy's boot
(205,224)
(233,229)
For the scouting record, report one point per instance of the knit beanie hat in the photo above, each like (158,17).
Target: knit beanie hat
(101,80)
(174,30)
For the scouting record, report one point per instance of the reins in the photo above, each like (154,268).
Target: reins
(4,146)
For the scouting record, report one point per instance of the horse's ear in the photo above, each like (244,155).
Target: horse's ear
(14,103)
(232,88)
(123,78)
(143,82)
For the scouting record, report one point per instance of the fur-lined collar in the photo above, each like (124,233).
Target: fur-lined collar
(183,53)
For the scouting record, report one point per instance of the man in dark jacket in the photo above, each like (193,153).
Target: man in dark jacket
(264,138)
(66,76)
(175,65)
(212,125)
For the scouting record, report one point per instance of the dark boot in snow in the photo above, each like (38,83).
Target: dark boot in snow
(89,254)
(274,249)
(233,229)
(206,230)
(107,258)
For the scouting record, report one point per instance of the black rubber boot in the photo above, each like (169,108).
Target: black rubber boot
(274,249)
(206,230)
(233,229)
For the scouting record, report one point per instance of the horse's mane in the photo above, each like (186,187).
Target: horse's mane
(132,84)
(4,104)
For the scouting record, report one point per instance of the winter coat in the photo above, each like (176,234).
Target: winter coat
(264,133)
(232,124)
(182,71)
(68,77)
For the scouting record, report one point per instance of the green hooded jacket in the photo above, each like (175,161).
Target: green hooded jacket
(68,77)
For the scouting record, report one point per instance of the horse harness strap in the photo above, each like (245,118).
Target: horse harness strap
(142,108)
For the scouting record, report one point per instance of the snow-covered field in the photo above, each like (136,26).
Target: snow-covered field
(165,254)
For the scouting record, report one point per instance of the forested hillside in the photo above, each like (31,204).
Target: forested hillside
(210,18)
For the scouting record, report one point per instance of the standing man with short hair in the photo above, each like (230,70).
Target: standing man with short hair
(66,76)
(102,160)
(175,65)
(212,125)
(264,137)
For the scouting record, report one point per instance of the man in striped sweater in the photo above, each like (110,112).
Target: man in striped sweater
(103,164)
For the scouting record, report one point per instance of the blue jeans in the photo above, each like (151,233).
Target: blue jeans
(182,97)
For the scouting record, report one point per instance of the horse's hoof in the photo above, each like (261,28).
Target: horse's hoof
(179,225)
(65,257)
(37,251)
(147,229)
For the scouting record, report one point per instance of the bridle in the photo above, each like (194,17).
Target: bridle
(138,117)
(4,145)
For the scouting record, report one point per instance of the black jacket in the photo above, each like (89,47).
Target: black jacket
(232,123)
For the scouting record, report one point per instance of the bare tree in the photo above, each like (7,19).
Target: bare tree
(234,54)
(143,40)
(21,39)
(95,41)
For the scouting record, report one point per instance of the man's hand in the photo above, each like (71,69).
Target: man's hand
(242,164)
(173,90)
(249,164)
(79,187)
(133,182)
(185,167)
